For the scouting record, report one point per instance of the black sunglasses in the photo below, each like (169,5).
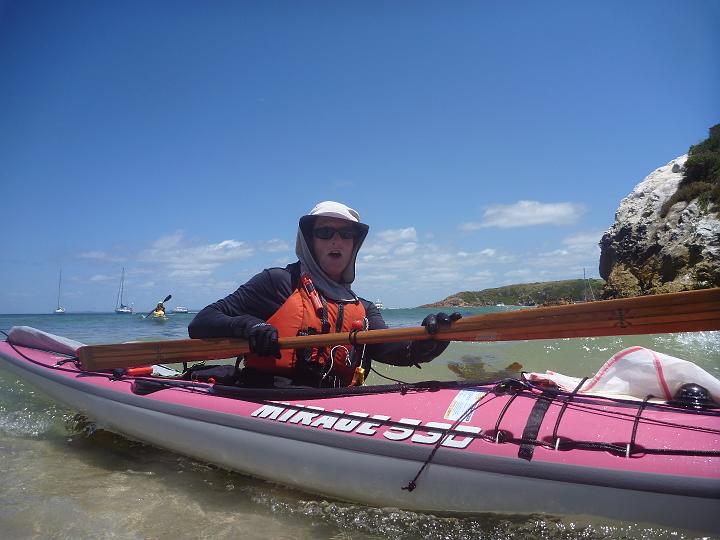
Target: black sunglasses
(326,233)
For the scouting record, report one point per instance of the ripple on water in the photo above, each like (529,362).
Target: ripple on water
(406,525)
(24,424)
(25,417)
(707,343)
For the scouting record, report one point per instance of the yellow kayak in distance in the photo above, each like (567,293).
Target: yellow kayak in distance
(158,316)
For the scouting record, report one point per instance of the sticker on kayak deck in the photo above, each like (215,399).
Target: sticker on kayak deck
(461,403)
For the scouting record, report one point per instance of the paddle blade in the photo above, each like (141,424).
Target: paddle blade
(690,311)
(144,353)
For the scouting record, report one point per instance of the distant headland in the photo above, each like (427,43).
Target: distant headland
(527,294)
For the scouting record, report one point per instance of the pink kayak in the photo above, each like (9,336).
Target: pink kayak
(455,447)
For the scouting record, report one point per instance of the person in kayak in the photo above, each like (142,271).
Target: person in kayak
(312,296)
(159,310)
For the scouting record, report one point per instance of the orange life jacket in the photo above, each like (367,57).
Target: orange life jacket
(301,314)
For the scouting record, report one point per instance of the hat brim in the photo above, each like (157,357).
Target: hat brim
(307,223)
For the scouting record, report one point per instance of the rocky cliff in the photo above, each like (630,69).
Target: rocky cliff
(643,253)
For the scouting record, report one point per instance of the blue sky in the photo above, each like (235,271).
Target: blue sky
(485,143)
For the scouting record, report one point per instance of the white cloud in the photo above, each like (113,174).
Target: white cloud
(399,241)
(393,236)
(187,261)
(520,275)
(526,214)
(576,249)
(406,249)
(481,278)
(101,278)
(274,246)
(584,239)
(100,256)
(191,273)
(555,253)
(439,274)
(168,242)
(381,277)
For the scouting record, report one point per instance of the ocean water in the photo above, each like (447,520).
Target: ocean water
(62,478)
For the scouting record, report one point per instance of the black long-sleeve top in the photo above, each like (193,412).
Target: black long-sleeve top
(258,299)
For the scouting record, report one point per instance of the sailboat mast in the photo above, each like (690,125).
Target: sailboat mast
(119,301)
(59,285)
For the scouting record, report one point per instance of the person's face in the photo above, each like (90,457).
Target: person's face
(333,254)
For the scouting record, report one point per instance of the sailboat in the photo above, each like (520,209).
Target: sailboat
(587,284)
(59,310)
(119,306)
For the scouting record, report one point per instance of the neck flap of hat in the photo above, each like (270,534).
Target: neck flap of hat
(330,288)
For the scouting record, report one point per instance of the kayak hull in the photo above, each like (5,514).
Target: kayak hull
(298,443)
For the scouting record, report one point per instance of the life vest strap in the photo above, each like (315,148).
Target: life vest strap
(339,322)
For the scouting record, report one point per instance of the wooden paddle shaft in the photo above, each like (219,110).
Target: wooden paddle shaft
(675,312)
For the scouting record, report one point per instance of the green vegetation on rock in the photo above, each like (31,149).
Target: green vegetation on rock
(547,292)
(701,176)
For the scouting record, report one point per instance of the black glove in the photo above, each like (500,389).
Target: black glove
(263,340)
(426,350)
(435,322)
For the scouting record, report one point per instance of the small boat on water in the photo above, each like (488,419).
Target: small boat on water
(462,447)
(379,304)
(59,310)
(120,307)
(180,309)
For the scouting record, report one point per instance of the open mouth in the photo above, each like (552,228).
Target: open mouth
(334,254)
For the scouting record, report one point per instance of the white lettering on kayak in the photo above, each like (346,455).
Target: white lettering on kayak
(449,440)
(345,424)
(326,421)
(284,417)
(400,434)
(463,442)
(370,428)
(430,437)
(268,411)
(305,417)
(338,421)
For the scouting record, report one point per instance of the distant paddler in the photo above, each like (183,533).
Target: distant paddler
(159,310)
(158,313)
